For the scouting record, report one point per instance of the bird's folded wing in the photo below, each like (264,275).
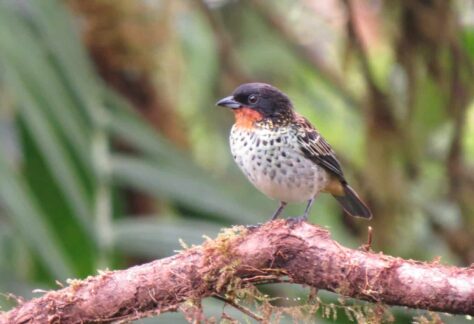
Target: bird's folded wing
(314,147)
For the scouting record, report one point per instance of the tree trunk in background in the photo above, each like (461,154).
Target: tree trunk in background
(385,148)
(427,48)
(429,36)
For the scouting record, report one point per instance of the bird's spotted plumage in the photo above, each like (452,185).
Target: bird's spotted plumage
(281,153)
(272,160)
(315,148)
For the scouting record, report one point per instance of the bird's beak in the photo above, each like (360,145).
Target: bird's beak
(229,102)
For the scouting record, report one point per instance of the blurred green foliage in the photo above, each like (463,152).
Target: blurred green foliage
(73,147)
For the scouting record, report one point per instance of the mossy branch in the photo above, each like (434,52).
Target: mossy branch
(279,250)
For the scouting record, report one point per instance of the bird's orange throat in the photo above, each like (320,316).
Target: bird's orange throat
(246,117)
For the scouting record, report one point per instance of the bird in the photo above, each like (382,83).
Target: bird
(282,154)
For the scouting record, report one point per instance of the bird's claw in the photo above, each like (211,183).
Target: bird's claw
(253,227)
(297,219)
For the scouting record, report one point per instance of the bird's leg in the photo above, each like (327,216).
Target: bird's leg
(275,215)
(308,208)
(279,210)
(306,212)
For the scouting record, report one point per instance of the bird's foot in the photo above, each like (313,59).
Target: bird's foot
(298,219)
(253,227)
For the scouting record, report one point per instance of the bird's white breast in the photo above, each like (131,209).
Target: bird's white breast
(273,163)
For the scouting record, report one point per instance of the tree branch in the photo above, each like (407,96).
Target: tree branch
(302,252)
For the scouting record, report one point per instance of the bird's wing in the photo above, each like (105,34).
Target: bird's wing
(314,147)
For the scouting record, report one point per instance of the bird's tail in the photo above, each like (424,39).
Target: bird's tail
(352,204)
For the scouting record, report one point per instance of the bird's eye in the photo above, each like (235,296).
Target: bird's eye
(253,99)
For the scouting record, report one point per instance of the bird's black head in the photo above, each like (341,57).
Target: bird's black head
(260,100)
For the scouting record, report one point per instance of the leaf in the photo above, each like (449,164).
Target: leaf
(173,182)
(24,53)
(57,158)
(28,219)
(152,238)
(130,127)
(54,22)
(24,81)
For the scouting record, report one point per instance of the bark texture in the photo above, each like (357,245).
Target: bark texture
(303,252)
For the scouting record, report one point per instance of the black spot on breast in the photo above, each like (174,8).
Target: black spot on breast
(272,174)
(264,143)
(271,142)
(269,160)
(278,165)
(259,163)
(278,140)
(258,143)
(283,154)
(253,157)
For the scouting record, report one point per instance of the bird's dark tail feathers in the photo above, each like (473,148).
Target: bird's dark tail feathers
(352,204)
